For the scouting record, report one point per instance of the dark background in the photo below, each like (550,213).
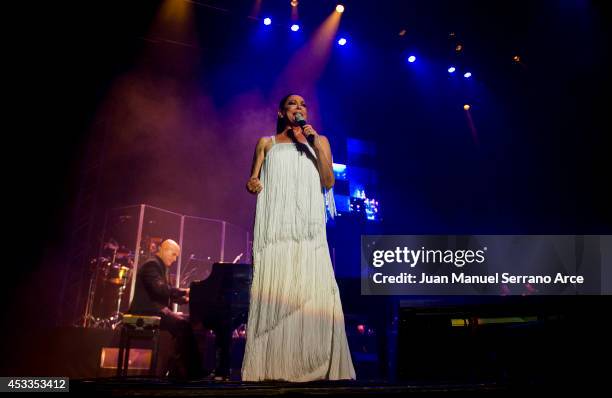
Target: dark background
(174,125)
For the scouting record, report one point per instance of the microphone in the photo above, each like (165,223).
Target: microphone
(299,119)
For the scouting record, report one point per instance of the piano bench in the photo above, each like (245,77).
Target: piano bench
(137,327)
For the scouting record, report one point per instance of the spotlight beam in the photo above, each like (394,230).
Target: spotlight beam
(306,66)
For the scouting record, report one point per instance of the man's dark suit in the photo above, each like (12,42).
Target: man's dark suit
(153,295)
(153,292)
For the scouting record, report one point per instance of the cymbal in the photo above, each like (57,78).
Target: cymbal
(111,244)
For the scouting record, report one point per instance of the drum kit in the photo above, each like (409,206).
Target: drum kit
(111,275)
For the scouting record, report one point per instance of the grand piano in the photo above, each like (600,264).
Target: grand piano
(221,303)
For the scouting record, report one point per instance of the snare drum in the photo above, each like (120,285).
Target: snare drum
(118,275)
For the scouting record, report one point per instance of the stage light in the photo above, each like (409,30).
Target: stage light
(466,107)
(339,167)
(294,3)
(295,27)
(516,58)
(411,58)
(459,48)
(267,21)
(467,75)
(340,8)
(402,32)
(342,41)
(451,69)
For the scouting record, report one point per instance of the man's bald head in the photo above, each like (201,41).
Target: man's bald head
(169,252)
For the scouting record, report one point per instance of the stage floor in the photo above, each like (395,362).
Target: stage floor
(158,387)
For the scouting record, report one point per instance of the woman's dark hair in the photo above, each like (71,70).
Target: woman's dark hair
(281,122)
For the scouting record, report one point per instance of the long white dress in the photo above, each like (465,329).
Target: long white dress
(295,328)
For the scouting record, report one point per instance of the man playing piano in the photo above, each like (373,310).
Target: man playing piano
(153,295)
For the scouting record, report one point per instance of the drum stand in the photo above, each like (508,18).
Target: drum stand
(115,319)
(88,320)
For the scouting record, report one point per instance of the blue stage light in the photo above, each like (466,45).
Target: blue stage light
(411,58)
(295,27)
(267,21)
(451,69)
(467,75)
(339,167)
(342,41)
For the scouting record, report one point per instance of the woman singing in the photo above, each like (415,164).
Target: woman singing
(295,329)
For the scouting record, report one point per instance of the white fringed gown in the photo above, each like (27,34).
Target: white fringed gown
(295,328)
